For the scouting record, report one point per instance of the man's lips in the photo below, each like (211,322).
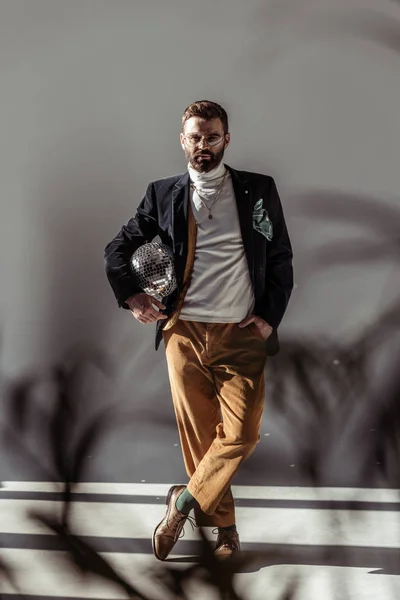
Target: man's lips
(203,156)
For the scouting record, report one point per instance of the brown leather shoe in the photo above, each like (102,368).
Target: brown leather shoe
(167,532)
(227,545)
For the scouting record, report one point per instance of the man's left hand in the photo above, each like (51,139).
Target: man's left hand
(264,328)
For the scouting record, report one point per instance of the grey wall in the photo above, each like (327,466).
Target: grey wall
(91,98)
(91,95)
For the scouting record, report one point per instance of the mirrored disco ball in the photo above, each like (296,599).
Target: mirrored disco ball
(153,266)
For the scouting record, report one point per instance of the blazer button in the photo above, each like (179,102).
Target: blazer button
(246,191)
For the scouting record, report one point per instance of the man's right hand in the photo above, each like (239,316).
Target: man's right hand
(141,307)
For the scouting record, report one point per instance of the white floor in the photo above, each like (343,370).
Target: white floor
(49,573)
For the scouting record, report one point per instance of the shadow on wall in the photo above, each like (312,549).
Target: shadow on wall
(307,22)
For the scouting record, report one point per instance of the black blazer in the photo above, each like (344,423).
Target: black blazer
(163,212)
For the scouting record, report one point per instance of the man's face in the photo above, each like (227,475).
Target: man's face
(202,156)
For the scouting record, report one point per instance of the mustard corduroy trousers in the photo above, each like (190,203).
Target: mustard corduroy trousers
(216,373)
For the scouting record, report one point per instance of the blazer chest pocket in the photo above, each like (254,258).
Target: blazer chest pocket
(261,221)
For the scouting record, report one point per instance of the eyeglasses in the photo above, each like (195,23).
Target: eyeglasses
(192,139)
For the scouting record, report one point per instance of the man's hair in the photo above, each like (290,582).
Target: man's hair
(208,110)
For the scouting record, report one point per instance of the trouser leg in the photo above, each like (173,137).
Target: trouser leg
(197,408)
(237,359)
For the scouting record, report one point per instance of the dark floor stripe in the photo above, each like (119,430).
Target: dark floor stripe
(256,555)
(34,597)
(355,505)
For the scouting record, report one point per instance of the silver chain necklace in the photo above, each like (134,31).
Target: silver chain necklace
(209,208)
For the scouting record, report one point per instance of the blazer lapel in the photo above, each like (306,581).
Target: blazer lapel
(180,201)
(245,211)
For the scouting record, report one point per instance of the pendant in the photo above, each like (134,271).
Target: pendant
(210,216)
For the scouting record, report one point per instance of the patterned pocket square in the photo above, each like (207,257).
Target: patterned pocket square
(261,220)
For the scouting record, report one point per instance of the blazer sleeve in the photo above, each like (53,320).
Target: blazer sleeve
(140,229)
(279,269)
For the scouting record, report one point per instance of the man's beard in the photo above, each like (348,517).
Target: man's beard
(208,164)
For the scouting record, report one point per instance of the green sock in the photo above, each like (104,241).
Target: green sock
(230,528)
(185,502)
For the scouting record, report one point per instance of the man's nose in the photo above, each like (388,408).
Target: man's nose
(203,142)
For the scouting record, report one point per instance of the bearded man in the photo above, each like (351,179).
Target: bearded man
(233,262)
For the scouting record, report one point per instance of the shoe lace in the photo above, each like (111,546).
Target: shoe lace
(225,538)
(192,523)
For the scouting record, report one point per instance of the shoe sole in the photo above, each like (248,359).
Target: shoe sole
(153,541)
